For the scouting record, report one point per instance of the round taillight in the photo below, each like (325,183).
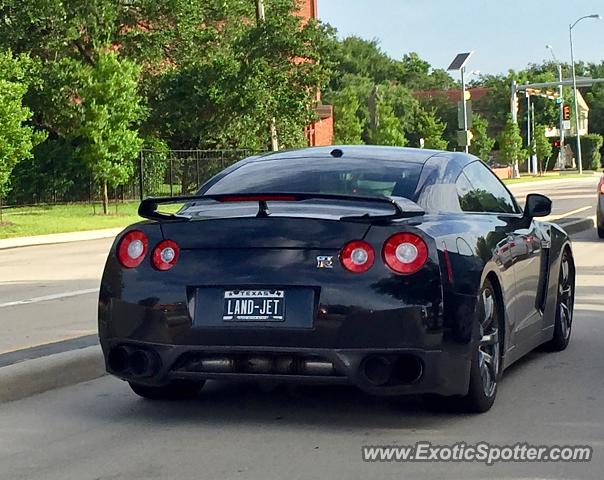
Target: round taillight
(165,255)
(132,249)
(357,256)
(405,253)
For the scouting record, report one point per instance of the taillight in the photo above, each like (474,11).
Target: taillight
(165,255)
(601,186)
(357,256)
(132,249)
(405,253)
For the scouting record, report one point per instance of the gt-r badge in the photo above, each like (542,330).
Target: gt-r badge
(324,262)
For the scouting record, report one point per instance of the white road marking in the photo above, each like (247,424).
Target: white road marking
(568,214)
(46,298)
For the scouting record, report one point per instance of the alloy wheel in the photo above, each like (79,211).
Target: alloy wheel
(488,348)
(565,297)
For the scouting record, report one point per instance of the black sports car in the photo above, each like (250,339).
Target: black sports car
(400,271)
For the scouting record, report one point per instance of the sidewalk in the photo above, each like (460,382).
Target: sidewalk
(58,238)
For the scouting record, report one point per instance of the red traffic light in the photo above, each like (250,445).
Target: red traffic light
(566,112)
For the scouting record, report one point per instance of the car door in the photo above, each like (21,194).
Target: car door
(521,248)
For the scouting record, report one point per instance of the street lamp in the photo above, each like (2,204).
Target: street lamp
(572,61)
(459,63)
(561,97)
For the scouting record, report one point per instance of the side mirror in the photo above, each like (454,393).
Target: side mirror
(537,206)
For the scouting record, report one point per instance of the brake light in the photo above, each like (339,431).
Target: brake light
(601,186)
(165,255)
(405,253)
(132,249)
(357,256)
(258,198)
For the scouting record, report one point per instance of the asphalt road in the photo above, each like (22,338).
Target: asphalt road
(49,293)
(100,430)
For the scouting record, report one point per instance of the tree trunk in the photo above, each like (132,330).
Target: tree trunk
(105,198)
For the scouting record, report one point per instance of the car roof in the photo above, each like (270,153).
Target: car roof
(367,152)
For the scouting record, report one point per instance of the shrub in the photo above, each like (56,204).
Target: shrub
(590,149)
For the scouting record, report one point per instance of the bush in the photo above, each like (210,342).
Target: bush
(590,149)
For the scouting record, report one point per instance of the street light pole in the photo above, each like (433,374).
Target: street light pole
(464,106)
(572,60)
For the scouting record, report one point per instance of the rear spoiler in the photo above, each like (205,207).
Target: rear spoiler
(401,207)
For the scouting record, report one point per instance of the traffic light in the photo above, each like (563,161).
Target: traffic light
(566,112)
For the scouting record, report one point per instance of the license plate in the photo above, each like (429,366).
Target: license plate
(254,306)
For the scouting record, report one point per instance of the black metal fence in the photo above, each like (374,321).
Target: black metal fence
(180,172)
(155,173)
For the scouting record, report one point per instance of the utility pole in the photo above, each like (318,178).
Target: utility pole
(560,95)
(534,152)
(572,61)
(562,135)
(576,95)
(514,110)
(260,18)
(464,136)
(464,105)
(529,142)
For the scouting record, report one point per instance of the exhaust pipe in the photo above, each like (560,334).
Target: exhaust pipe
(377,369)
(258,365)
(317,367)
(407,369)
(143,363)
(217,365)
(117,360)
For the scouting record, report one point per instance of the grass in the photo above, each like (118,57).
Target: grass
(43,220)
(548,176)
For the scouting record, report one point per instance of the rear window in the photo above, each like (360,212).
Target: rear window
(322,175)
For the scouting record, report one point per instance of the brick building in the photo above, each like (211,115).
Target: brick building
(319,133)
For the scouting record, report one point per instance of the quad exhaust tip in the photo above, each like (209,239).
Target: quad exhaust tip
(392,370)
(135,361)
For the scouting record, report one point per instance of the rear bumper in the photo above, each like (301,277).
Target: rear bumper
(405,371)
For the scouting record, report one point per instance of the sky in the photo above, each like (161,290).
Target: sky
(503,33)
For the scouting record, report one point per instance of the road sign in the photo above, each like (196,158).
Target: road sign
(566,124)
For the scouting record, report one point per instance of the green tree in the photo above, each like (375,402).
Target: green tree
(110,109)
(386,128)
(431,129)
(16,137)
(482,143)
(543,148)
(510,143)
(347,124)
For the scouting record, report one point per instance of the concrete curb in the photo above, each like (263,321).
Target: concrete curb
(19,242)
(578,225)
(38,375)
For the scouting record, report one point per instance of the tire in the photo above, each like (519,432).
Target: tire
(485,370)
(173,391)
(565,302)
(600,232)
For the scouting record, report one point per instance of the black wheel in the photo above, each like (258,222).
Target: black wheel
(174,391)
(486,361)
(600,232)
(565,304)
